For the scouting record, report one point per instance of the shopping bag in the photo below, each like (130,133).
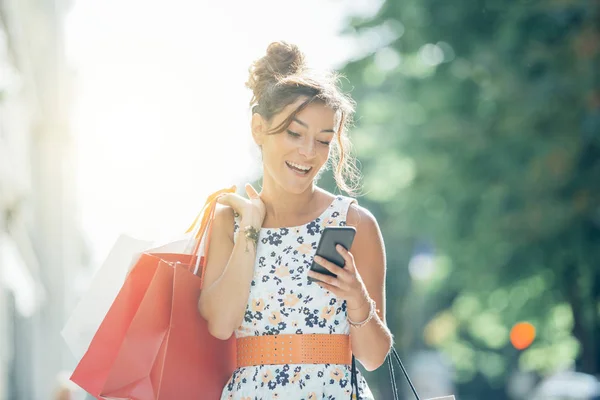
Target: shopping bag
(451,397)
(93,305)
(156,283)
(94,368)
(91,309)
(168,352)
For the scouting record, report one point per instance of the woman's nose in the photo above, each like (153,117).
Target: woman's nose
(307,148)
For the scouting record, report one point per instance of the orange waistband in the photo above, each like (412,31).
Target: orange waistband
(293,349)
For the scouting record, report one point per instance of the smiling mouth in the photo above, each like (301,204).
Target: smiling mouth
(299,169)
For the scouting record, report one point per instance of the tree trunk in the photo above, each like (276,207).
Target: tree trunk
(585,322)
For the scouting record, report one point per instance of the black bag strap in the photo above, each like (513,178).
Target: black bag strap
(354,381)
(392,376)
(392,355)
(397,357)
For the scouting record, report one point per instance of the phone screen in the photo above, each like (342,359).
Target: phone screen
(332,236)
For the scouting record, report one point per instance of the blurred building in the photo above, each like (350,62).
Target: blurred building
(40,246)
(431,374)
(568,385)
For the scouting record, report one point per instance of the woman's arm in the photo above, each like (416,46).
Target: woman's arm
(371,342)
(362,279)
(228,275)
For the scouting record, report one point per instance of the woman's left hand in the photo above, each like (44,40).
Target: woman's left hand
(348,284)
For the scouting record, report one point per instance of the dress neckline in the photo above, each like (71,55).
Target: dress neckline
(329,206)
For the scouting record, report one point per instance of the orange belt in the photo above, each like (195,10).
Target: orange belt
(293,349)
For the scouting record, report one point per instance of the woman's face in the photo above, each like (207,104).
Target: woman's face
(294,157)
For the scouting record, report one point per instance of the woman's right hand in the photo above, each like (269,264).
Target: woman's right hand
(251,210)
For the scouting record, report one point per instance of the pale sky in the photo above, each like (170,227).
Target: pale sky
(160,111)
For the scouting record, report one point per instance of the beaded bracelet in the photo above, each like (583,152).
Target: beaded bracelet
(360,324)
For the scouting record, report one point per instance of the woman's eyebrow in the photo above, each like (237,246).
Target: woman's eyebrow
(304,124)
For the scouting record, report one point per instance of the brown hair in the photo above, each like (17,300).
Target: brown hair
(280,77)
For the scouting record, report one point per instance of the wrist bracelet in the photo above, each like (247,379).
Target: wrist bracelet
(360,324)
(251,234)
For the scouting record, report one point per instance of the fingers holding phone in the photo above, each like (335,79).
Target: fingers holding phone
(333,265)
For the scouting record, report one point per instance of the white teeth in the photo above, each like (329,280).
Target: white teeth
(301,167)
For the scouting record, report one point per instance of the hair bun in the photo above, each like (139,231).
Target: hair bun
(282,59)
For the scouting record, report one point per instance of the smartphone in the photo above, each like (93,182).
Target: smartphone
(332,236)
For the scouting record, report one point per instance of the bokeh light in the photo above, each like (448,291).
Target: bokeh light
(522,335)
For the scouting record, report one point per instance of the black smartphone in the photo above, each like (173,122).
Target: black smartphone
(332,236)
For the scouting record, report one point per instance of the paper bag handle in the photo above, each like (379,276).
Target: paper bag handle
(202,226)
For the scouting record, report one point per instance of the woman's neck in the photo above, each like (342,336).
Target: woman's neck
(284,207)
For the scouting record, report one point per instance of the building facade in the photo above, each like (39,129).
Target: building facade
(40,243)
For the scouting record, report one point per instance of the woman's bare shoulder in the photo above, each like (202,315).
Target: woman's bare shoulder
(361,218)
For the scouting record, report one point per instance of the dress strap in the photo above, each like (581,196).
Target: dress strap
(342,205)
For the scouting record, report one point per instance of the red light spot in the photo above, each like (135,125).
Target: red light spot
(522,335)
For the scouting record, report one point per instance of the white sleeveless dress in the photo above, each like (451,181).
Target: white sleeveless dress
(283,301)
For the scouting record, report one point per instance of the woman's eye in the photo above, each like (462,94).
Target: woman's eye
(294,134)
(324,142)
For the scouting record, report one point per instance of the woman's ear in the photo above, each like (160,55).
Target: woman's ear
(259,128)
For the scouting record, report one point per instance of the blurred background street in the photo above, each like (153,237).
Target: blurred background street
(477,131)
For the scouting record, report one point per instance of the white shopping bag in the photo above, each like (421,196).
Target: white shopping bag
(85,320)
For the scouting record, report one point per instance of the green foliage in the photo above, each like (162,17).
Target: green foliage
(479,131)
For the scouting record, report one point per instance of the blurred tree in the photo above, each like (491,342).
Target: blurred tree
(479,132)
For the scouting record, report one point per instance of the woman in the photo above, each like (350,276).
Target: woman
(256,282)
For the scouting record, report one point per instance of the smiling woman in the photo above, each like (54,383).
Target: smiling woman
(297,337)
(294,157)
(290,97)
(141,93)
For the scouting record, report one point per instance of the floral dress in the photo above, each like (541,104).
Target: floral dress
(283,301)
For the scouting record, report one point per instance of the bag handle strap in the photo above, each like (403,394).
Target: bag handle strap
(205,213)
(202,225)
(397,357)
(392,355)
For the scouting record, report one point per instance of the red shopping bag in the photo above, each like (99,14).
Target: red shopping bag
(153,343)
(164,353)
